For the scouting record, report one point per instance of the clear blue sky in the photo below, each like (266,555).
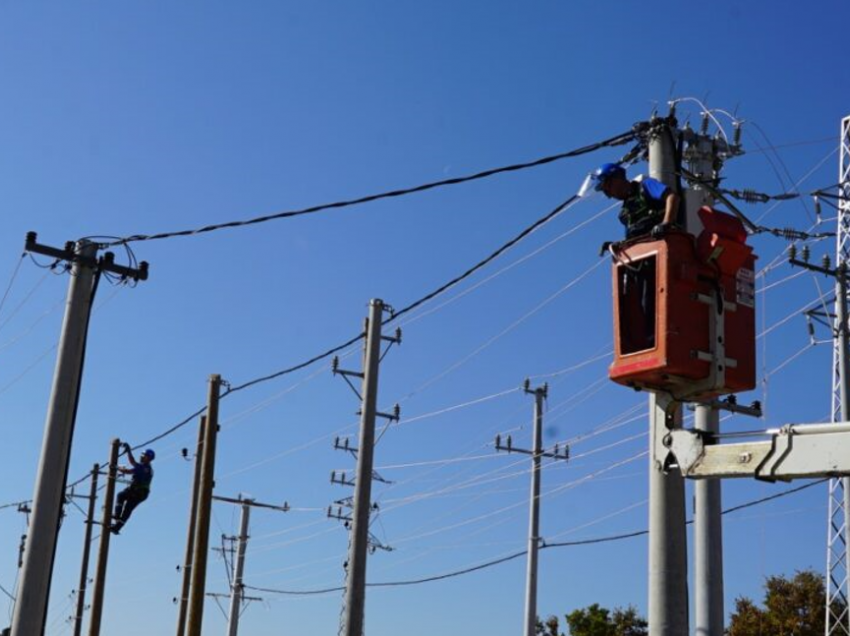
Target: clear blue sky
(125,118)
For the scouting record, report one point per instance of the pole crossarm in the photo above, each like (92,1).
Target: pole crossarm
(68,253)
(253,503)
(794,451)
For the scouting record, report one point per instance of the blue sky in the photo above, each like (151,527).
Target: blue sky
(128,118)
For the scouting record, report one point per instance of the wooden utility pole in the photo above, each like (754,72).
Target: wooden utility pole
(202,528)
(183,601)
(99,587)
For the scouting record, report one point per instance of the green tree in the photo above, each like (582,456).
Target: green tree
(596,620)
(792,607)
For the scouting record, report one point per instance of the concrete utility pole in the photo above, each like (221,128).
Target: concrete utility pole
(31,607)
(668,553)
(202,529)
(183,601)
(355,591)
(708,541)
(702,159)
(838,523)
(238,589)
(534,539)
(84,568)
(99,587)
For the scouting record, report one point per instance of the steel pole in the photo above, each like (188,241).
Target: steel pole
(534,517)
(708,541)
(183,601)
(237,592)
(355,592)
(31,605)
(84,568)
(844,388)
(99,587)
(202,529)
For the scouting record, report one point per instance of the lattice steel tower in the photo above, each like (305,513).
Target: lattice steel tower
(838,556)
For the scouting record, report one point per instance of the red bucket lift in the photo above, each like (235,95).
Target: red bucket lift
(684,311)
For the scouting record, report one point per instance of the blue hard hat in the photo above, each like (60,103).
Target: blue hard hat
(606,170)
(150,454)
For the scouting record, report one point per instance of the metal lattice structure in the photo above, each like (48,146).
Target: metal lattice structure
(837,567)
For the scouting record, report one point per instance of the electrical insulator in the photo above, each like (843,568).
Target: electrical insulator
(827,261)
(737,135)
(792,252)
(704,127)
(335,364)
(806,253)
(817,209)
(498,441)
(811,327)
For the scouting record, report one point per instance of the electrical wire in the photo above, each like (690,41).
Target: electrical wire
(612,141)
(545,546)
(12,281)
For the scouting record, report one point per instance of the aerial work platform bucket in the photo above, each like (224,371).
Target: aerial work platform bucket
(684,311)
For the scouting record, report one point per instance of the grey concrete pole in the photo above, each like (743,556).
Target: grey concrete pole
(355,591)
(183,601)
(708,542)
(99,587)
(84,568)
(668,551)
(202,529)
(534,517)
(31,606)
(237,591)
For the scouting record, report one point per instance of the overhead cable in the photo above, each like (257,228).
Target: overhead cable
(613,141)
(544,546)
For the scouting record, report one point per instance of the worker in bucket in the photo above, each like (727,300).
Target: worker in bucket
(650,208)
(137,491)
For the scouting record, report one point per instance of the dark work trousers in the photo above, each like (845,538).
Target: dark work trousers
(128,499)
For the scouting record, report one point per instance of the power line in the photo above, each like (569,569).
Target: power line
(516,555)
(613,141)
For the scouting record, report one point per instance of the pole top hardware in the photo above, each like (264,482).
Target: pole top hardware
(68,253)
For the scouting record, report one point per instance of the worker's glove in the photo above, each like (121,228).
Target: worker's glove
(603,249)
(660,230)
(126,447)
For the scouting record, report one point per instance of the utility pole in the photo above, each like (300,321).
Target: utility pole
(99,587)
(237,587)
(703,160)
(84,568)
(183,601)
(708,541)
(668,553)
(31,607)
(534,539)
(202,528)
(838,522)
(355,590)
